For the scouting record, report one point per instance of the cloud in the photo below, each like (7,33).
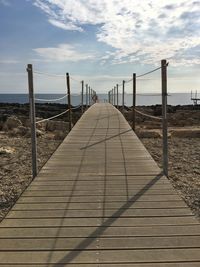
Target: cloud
(63,26)
(5,3)
(63,52)
(149,30)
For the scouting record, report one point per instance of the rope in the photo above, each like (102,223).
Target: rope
(75,79)
(53,116)
(129,80)
(147,115)
(76,94)
(48,74)
(49,100)
(148,72)
(77,107)
(149,94)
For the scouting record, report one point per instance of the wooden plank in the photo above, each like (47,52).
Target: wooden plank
(96,205)
(98,192)
(99,212)
(122,256)
(172,264)
(78,199)
(57,222)
(101,231)
(42,244)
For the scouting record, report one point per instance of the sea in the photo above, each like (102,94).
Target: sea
(141,99)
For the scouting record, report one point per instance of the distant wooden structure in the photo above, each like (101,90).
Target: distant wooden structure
(194,98)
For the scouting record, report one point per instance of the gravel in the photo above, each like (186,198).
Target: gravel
(184,167)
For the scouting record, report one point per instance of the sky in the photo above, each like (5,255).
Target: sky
(101,42)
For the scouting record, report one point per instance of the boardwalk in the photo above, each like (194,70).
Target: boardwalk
(102,201)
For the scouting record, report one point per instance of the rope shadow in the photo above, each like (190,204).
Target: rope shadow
(106,139)
(100,229)
(107,117)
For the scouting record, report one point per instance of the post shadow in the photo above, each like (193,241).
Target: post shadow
(107,223)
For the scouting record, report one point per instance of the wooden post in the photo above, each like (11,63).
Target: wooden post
(69,101)
(114,91)
(117,96)
(134,101)
(32,118)
(86,96)
(82,94)
(109,97)
(164,115)
(123,85)
(112,97)
(89,98)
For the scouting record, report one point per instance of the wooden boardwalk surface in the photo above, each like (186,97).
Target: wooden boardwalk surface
(100,200)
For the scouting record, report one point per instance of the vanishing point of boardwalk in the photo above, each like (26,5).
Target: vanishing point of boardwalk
(100,200)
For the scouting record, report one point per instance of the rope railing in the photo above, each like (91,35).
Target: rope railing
(51,100)
(53,117)
(78,94)
(163,119)
(148,115)
(146,73)
(32,99)
(151,94)
(75,80)
(77,107)
(49,74)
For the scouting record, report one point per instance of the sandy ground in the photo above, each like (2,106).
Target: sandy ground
(184,157)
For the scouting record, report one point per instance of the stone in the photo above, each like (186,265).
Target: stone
(59,135)
(57,126)
(186,133)
(11,123)
(148,134)
(6,150)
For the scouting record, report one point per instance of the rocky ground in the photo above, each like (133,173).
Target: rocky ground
(184,166)
(15,147)
(184,147)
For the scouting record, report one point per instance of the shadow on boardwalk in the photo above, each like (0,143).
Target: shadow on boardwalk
(100,229)
(106,139)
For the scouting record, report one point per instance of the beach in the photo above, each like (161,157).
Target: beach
(15,147)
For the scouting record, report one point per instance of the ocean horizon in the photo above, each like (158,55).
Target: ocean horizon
(173,99)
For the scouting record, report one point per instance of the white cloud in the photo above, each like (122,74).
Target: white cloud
(149,30)
(63,52)
(63,26)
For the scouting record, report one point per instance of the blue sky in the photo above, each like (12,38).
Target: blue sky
(99,41)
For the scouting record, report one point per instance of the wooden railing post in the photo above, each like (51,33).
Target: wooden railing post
(117,95)
(32,119)
(109,97)
(164,115)
(86,96)
(69,101)
(89,98)
(114,96)
(123,88)
(82,94)
(134,101)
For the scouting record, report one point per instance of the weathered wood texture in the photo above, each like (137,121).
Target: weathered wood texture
(100,200)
